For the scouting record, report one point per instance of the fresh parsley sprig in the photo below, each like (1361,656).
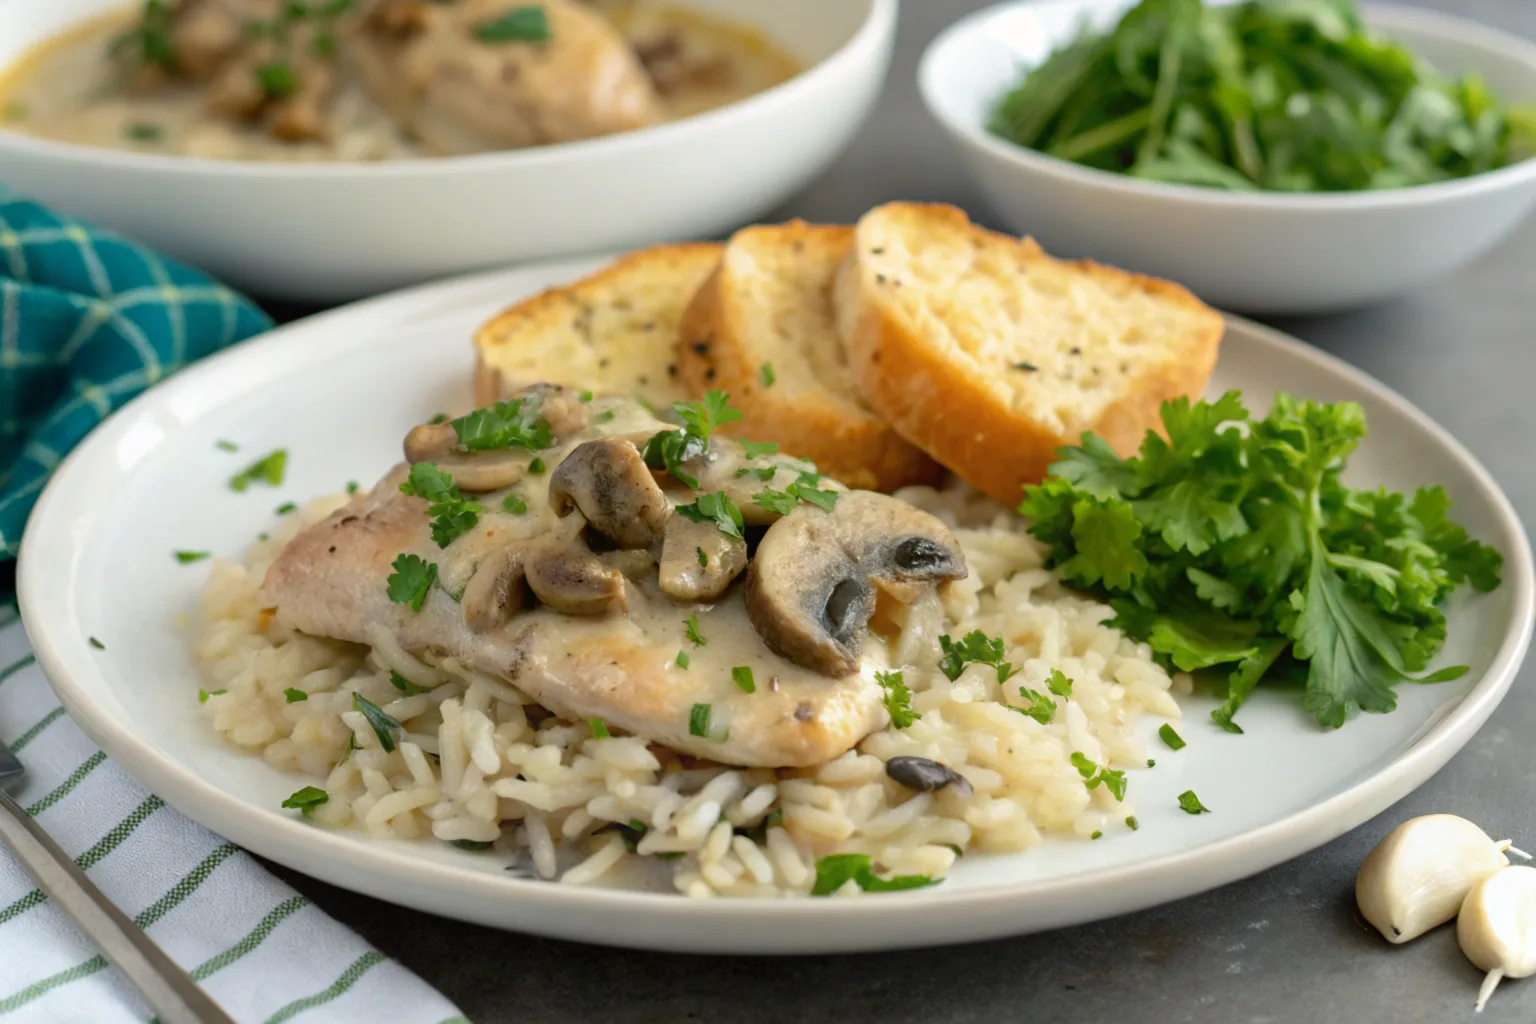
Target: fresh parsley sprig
(513,423)
(836,870)
(718,508)
(1232,545)
(898,699)
(453,515)
(975,648)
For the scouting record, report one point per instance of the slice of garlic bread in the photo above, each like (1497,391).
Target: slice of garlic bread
(763,328)
(990,355)
(614,332)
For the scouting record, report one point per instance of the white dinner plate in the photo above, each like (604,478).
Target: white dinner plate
(340,390)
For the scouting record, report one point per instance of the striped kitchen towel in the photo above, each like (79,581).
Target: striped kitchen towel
(264,952)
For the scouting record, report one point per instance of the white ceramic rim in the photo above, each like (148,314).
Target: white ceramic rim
(1388,17)
(284,838)
(878,24)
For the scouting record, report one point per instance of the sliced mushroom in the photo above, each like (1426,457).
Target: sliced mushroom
(497,590)
(474,472)
(698,561)
(608,481)
(575,581)
(811,588)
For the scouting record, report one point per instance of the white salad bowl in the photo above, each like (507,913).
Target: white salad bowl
(1255,252)
(329,231)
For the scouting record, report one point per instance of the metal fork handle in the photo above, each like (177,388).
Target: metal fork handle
(167,989)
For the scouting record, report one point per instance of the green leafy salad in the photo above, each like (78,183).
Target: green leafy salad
(1233,547)
(1284,95)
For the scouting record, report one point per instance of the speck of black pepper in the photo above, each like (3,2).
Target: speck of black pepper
(347,519)
(1076,350)
(1125,367)
(602,363)
(1098,372)
(877,250)
(799,246)
(644,379)
(701,348)
(649,325)
(875,357)
(880,279)
(671,369)
(709,374)
(332,550)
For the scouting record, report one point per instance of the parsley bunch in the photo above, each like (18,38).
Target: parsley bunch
(1235,545)
(670,449)
(453,515)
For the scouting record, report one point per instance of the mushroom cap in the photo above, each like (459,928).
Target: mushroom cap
(608,481)
(473,472)
(698,562)
(811,588)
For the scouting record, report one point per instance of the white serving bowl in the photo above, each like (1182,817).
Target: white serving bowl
(1255,252)
(334,231)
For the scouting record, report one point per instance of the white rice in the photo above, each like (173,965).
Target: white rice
(480,763)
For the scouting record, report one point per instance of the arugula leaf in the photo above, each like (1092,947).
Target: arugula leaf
(268,469)
(898,699)
(412,578)
(513,423)
(836,870)
(718,508)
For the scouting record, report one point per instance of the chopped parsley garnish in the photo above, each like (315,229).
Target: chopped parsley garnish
(1132,824)
(306,800)
(1231,543)
(1097,835)
(405,686)
(1173,739)
(976,648)
(514,423)
(759,449)
(536,466)
(268,469)
(606,417)
(149,41)
(781,502)
(143,131)
(898,699)
(701,418)
(1094,776)
(203,695)
(1041,708)
(805,489)
(1058,683)
(741,675)
(412,578)
(763,473)
(670,450)
(586,396)
(515,505)
(1151,763)
(453,515)
(285,508)
(1190,804)
(295,695)
(838,869)
(718,508)
(768,375)
(698,720)
(192,556)
(382,725)
(682,659)
(441,417)
(703,558)
(277,79)
(691,630)
(1026,367)
(96,643)
(599,729)
(226,446)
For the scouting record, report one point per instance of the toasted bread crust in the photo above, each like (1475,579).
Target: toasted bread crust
(947,407)
(818,421)
(656,283)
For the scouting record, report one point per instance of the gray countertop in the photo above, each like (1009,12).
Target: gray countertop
(1286,945)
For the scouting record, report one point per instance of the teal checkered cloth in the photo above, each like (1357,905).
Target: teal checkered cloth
(87,321)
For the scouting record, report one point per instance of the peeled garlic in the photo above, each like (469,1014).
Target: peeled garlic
(1497,927)
(1419,875)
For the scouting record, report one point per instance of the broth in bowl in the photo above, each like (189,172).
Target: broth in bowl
(369,80)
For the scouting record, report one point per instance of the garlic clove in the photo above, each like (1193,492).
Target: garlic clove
(1418,876)
(1497,927)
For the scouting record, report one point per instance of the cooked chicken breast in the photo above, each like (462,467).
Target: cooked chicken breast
(567,600)
(461,87)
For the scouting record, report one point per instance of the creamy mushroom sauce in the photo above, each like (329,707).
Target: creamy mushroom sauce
(69,90)
(621,665)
